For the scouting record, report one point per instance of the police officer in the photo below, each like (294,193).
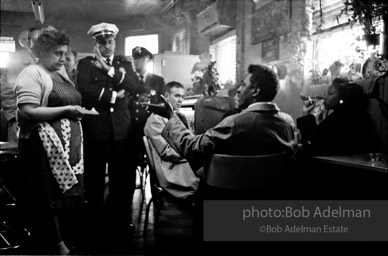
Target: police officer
(105,81)
(150,88)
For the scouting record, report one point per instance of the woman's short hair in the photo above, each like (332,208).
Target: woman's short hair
(266,80)
(350,93)
(49,38)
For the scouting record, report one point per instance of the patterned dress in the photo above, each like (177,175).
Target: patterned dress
(39,189)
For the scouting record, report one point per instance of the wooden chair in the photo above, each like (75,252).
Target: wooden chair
(248,174)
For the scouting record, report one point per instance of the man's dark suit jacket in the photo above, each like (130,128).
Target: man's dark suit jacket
(91,80)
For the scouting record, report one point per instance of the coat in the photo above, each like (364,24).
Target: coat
(91,81)
(174,172)
(339,133)
(259,129)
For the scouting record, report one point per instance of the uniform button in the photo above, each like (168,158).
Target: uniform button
(137,103)
(136,119)
(137,95)
(110,89)
(95,79)
(137,110)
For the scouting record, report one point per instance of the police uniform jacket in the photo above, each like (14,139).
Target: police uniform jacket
(153,87)
(91,81)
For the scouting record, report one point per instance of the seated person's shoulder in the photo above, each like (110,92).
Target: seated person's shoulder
(236,118)
(287,118)
(154,118)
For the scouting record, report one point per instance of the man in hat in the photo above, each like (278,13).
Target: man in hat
(150,88)
(105,81)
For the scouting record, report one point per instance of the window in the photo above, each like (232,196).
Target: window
(150,42)
(7,45)
(224,53)
(338,48)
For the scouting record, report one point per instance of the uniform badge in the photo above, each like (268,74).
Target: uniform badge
(153,92)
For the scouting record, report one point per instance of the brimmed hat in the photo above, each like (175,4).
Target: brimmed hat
(103,30)
(140,52)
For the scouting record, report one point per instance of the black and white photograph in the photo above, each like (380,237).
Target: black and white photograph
(194,127)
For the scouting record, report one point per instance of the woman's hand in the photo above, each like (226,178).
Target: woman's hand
(74,112)
(308,106)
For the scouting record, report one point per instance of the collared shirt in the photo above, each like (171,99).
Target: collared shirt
(144,76)
(110,59)
(263,106)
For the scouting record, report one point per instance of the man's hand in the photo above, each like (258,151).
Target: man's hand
(164,109)
(100,63)
(120,94)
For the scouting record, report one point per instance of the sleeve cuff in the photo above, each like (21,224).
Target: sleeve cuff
(111,72)
(113,99)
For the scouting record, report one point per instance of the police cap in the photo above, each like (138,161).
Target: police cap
(140,52)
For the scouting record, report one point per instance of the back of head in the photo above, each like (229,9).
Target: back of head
(48,39)
(266,80)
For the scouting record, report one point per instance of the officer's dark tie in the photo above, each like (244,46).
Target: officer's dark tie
(141,77)
(107,61)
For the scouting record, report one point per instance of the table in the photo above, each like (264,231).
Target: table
(357,161)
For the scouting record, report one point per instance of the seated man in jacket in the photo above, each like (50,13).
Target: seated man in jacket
(259,129)
(174,172)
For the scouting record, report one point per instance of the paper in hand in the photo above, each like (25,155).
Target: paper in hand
(89,112)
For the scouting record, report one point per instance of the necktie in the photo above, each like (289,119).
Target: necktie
(141,79)
(107,61)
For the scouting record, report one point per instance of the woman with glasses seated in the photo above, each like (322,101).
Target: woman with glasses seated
(347,130)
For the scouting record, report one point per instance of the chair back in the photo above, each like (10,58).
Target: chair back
(154,181)
(245,172)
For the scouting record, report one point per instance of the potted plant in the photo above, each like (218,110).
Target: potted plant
(366,13)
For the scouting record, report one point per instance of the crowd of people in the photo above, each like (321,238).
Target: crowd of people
(79,123)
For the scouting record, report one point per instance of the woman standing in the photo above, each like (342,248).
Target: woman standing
(50,140)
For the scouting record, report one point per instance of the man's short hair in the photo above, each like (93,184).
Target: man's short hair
(172,84)
(266,80)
